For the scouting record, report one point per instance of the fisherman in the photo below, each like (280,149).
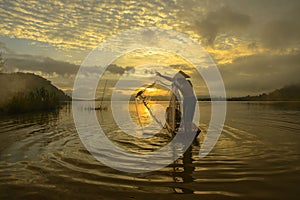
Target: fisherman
(180,80)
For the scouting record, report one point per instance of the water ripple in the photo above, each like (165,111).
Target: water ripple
(42,155)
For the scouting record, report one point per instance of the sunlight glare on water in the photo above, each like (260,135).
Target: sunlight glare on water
(257,156)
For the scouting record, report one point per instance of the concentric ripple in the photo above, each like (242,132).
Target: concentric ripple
(42,157)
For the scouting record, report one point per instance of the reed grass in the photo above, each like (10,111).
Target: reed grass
(39,99)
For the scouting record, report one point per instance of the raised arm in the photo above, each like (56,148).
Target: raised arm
(165,77)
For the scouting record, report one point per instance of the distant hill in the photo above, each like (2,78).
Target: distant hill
(287,93)
(12,84)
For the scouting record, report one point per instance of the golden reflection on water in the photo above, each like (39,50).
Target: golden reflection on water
(41,156)
(142,116)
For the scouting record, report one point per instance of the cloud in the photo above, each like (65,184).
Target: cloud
(79,24)
(275,24)
(49,65)
(115,69)
(280,34)
(43,64)
(234,28)
(260,73)
(82,25)
(283,32)
(224,20)
(271,25)
(60,73)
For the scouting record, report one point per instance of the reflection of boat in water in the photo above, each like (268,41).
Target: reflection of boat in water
(173,112)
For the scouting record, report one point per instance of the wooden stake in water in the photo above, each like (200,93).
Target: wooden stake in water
(103,95)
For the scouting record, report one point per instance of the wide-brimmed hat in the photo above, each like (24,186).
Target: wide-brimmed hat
(184,74)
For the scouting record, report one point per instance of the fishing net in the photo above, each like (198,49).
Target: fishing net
(173,112)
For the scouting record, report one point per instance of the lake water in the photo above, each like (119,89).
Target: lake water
(257,157)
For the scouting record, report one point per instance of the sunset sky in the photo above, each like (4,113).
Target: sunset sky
(255,43)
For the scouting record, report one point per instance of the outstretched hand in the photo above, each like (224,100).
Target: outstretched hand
(158,74)
(165,77)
